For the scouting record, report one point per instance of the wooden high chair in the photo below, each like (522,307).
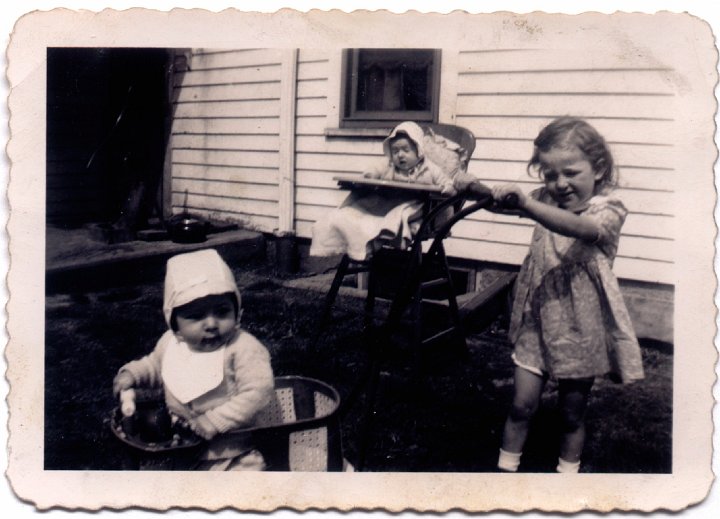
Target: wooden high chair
(389,269)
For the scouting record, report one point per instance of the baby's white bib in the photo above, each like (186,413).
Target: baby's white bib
(189,374)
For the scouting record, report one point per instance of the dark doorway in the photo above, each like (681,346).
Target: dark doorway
(106,120)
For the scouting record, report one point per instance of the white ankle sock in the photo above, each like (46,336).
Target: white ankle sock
(568,466)
(509,461)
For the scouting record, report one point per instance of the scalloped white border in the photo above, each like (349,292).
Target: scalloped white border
(697,282)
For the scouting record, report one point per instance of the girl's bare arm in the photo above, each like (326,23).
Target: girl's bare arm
(553,218)
(562,221)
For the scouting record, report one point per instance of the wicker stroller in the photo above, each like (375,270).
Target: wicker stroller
(299,431)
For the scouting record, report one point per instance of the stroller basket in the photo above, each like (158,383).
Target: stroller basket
(300,430)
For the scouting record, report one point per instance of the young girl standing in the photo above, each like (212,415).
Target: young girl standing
(568,321)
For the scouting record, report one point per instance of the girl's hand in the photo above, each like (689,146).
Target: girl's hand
(502,192)
(123,380)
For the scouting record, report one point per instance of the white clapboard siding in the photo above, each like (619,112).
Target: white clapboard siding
(318,159)
(319,197)
(204,59)
(636,224)
(625,155)
(240,108)
(312,91)
(312,88)
(248,159)
(648,82)
(219,77)
(227,126)
(525,128)
(506,96)
(338,162)
(634,246)
(227,189)
(311,106)
(264,90)
(227,174)
(227,142)
(225,136)
(548,60)
(319,179)
(311,125)
(314,69)
(632,268)
(496,171)
(321,144)
(581,105)
(251,206)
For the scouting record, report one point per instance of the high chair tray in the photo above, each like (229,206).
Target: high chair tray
(354,181)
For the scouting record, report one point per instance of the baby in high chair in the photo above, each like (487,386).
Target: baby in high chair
(365,222)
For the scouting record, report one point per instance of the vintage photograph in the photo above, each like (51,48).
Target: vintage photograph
(427,261)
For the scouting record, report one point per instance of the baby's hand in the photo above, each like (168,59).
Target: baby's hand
(123,380)
(372,174)
(203,428)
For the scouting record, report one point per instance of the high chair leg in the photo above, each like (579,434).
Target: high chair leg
(370,299)
(371,392)
(454,311)
(340,273)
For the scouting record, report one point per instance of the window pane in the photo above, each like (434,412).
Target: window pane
(391,80)
(390,84)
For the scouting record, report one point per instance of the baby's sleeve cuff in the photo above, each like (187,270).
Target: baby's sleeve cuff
(208,423)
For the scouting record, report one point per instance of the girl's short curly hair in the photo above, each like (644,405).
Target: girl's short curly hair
(572,131)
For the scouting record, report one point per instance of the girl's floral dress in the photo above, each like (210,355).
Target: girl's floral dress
(569,318)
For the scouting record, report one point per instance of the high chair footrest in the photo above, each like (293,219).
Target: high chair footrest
(440,335)
(434,283)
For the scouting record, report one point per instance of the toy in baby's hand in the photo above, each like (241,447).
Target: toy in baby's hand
(127,402)
(143,420)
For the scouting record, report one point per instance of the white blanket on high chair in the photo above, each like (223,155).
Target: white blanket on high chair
(364,222)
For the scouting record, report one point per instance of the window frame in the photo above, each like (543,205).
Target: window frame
(383,119)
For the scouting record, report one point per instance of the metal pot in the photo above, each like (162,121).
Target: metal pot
(187,228)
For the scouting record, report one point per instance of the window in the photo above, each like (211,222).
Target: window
(384,86)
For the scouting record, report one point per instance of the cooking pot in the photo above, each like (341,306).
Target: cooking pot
(187,228)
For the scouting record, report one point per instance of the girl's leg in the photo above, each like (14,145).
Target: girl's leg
(574,395)
(528,388)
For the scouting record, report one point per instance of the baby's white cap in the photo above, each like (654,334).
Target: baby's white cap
(414,132)
(194,275)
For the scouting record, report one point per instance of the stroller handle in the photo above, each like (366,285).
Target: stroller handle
(510,201)
(480,192)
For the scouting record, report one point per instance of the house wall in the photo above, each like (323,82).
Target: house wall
(225,139)
(505,98)
(225,136)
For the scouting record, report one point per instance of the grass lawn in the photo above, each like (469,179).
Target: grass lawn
(441,415)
